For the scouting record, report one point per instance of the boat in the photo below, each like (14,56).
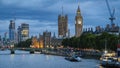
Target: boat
(103,61)
(117,65)
(73,58)
(108,59)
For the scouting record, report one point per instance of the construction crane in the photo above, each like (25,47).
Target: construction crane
(112,13)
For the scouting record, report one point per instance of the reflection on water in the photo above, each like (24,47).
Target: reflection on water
(22,59)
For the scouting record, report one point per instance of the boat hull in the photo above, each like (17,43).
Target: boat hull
(73,59)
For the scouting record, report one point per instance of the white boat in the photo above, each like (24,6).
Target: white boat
(78,59)
(74,58)
(108,59)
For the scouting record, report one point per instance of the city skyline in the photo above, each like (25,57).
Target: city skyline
(42,15)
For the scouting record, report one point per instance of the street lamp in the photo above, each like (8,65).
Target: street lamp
(105,46)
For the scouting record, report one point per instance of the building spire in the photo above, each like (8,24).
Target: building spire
(54,36)
(62,7)
(78,9)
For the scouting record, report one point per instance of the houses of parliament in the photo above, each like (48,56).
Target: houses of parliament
(63,31)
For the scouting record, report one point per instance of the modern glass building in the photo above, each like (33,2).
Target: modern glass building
(23,32)
(12,30)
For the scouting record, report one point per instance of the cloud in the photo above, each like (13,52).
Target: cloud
(42,14)
(3,24)
(28,4)
(22,3)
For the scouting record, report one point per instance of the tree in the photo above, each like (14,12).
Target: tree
(26,43)
(93,41)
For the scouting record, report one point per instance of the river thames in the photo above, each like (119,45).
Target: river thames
(22,59)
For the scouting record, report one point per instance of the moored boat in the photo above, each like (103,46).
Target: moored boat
(108,59)
(73,58)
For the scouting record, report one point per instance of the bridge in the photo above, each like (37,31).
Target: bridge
(60,52)
(31,50)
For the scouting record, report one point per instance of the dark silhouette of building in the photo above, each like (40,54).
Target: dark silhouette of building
(114,29)
(19,34)
(56,41)
(46,39)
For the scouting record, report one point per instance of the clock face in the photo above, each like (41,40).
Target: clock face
(79,22)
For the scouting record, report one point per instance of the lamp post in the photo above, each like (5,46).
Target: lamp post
(105,46)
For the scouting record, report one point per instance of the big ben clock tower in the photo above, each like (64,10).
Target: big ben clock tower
(78,23)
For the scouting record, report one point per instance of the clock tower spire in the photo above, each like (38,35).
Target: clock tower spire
(78,22)
(78,11)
